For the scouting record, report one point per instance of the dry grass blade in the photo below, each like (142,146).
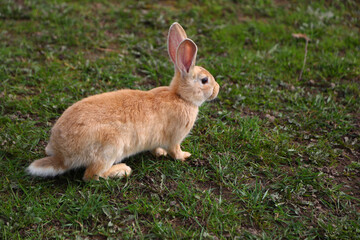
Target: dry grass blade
(307,39)
(301,35)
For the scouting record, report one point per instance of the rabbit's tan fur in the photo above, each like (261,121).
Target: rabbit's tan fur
(102,130)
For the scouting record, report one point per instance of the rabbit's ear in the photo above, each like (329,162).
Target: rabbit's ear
(186,56)
(175,36)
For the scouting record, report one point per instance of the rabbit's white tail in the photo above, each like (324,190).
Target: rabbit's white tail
(47,167)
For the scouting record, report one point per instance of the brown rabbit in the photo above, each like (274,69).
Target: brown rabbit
(102,130)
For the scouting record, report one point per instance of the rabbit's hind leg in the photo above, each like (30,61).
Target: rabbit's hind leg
(118,171)
(104,158)
(96,169)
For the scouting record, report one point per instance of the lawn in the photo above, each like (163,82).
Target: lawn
(276,156)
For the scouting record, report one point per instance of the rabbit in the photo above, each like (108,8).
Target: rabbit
(100,131)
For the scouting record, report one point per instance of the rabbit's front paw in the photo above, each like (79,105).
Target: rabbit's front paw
(158,152)
(185,156)
(176,153)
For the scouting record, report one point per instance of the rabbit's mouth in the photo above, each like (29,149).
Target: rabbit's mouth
(215,92)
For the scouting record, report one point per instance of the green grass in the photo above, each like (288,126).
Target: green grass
(273,158)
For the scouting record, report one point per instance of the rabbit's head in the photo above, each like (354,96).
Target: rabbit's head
(193,83)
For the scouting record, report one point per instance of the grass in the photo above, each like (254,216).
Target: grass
(274,158)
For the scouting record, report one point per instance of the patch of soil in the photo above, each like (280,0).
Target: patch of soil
(216,189)
(340,176)
(281,3)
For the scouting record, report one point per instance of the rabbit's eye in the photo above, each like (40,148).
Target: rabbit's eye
(204,80)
